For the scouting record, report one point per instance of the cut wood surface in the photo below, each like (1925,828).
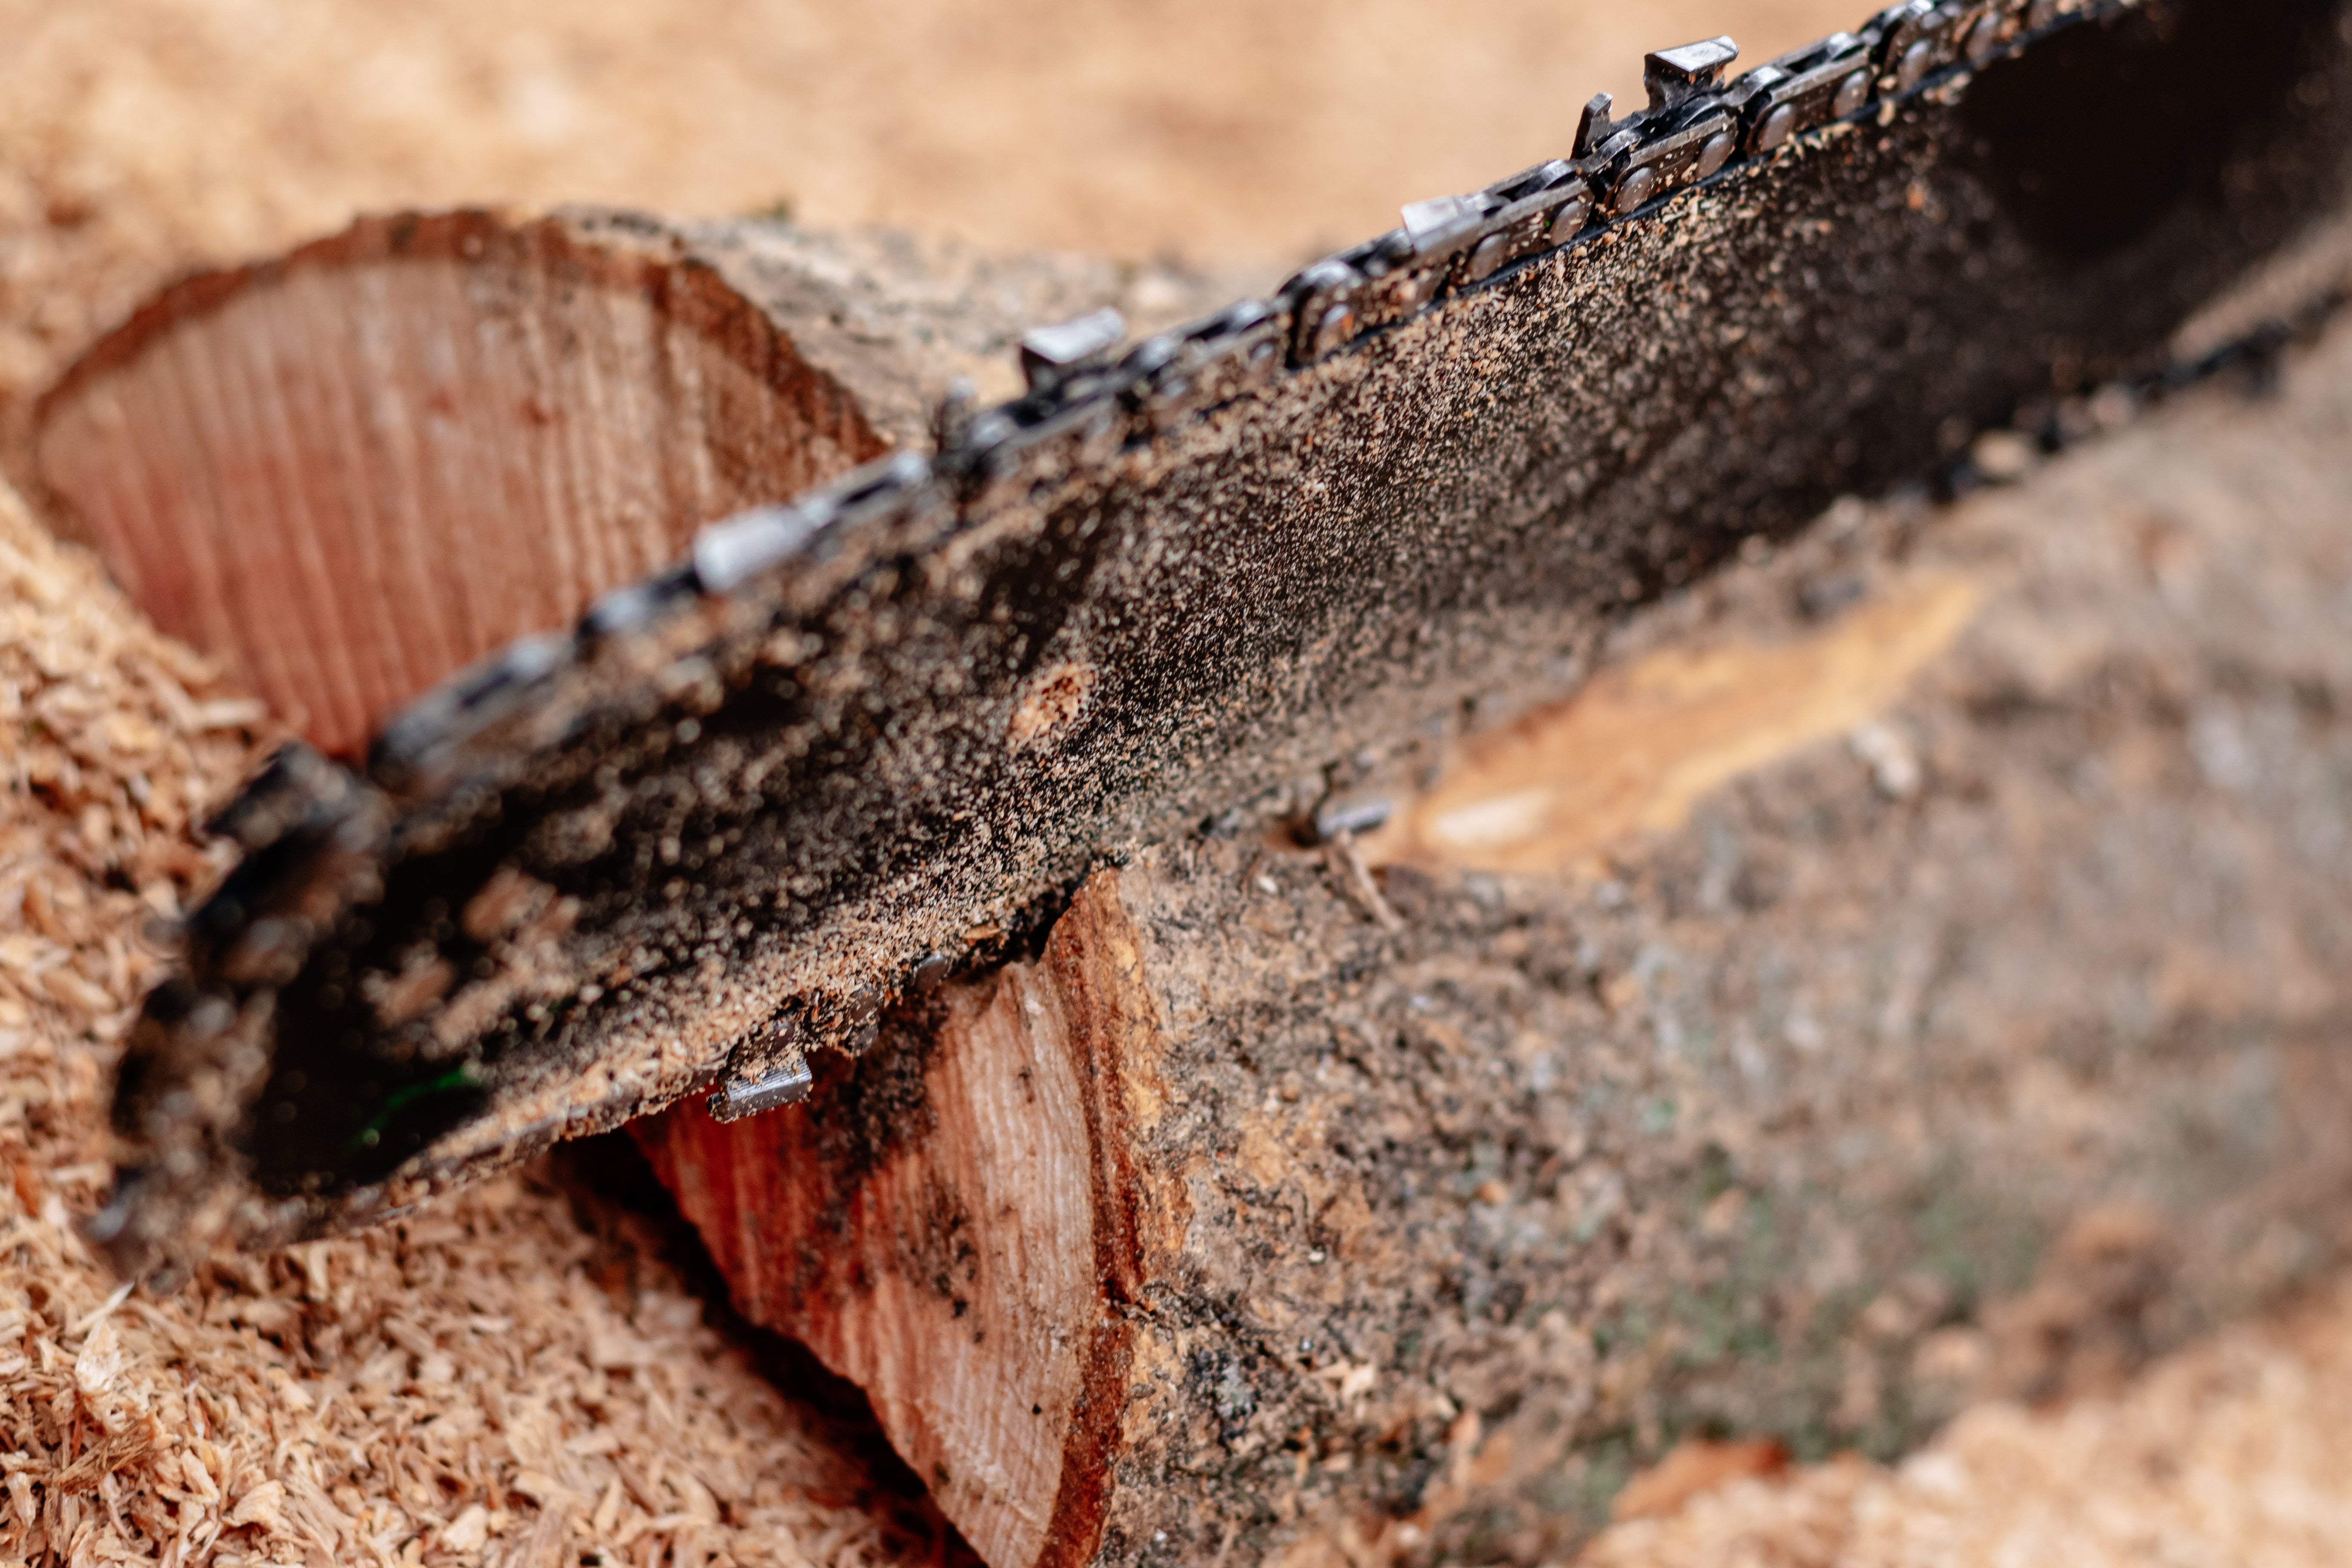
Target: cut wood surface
(358,470)
(966,1234)
(1981,1039)
(355,471)
(1639,747)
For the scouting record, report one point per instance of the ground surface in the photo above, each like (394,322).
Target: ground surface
(499,1379)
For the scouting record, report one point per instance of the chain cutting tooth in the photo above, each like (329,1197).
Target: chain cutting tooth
(1082,403)
(1051,355)
(1689,134)
(493,688)
(787,1083)
(1593,127)
(731,553)
(1674,77)
(1438,226)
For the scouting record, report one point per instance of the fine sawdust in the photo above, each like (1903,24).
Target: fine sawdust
(2230,1452)
(477,1383)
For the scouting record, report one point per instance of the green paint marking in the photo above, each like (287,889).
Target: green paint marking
(459,1077)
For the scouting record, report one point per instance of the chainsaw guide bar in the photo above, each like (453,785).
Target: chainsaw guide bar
(848,743)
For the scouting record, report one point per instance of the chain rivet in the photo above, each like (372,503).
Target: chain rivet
(1916,62)
(1485,259)
(1339,324)
(1984,40)
(1852,94)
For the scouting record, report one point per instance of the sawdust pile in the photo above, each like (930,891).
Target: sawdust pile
(2232,1451)
(484,1383)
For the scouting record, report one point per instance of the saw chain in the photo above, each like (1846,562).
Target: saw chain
(853,743)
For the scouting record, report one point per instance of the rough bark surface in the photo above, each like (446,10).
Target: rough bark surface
(1982,1055)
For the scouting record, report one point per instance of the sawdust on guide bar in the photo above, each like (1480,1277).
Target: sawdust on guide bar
(465,1385)
(473,1384)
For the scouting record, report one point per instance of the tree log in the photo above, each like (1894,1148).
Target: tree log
(1395,1198)
(1374,1201)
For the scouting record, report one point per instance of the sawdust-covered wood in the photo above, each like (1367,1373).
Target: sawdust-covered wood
(1970,1024)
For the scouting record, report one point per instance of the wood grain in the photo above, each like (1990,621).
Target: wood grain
(357,470)
(964,1244)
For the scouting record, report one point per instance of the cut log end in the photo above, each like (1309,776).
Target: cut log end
(961,1234)
(356,470)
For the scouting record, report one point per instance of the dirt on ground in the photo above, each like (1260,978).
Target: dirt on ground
(519,1375)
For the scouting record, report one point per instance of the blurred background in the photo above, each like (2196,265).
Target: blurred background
(140,137)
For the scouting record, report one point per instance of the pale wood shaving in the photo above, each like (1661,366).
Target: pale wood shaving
(465,1387)
(2230,1452)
